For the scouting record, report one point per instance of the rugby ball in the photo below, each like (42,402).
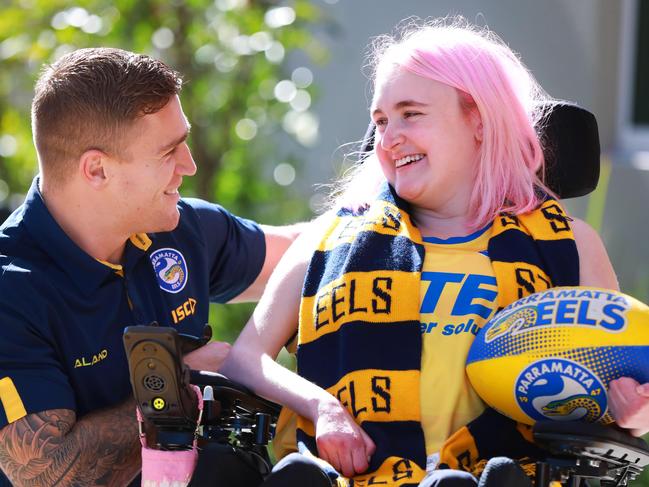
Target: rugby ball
(552,354)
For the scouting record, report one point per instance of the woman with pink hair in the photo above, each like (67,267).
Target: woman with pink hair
(444,223)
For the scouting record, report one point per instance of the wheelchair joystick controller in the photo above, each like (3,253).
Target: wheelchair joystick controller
(161,386)
(236,425)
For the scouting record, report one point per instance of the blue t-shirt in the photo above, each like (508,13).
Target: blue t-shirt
(63,313)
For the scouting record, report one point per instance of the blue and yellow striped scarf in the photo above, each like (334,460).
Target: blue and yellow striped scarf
(359,335)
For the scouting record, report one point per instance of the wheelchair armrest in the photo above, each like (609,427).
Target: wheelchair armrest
(592,441)
(232,394)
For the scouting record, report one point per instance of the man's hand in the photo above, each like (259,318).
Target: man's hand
(209,357)
(341,442)
(629,405)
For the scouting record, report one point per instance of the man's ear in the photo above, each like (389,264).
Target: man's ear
(92,167)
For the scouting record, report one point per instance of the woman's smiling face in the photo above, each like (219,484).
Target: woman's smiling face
(426,141)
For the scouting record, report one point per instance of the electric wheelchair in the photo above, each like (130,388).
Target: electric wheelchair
(235,425)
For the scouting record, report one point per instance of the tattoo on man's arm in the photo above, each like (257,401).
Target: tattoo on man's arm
(52,448)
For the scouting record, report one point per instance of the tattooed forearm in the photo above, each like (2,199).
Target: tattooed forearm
(50,448)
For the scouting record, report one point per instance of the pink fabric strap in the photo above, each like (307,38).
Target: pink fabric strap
(164,468)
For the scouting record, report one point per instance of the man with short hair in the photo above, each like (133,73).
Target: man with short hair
(104,241)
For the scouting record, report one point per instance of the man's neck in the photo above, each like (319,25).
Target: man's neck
(87,224)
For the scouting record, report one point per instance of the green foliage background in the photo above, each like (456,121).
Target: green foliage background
(232,53)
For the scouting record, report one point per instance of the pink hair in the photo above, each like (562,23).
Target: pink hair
(509,100)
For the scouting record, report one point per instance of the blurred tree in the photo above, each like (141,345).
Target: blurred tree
(239,95)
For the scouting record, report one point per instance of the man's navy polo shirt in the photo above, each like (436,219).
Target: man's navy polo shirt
(62,313)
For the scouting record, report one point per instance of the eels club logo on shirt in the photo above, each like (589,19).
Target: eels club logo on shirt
(170,268)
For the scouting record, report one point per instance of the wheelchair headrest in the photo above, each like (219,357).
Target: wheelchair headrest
(570,141)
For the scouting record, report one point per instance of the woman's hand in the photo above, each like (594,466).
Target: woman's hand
(341,442)
(629,405)
(208,357)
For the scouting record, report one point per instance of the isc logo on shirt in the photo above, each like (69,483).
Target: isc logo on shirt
(170,268)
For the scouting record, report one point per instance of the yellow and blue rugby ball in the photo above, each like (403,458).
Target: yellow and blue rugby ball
(552,354)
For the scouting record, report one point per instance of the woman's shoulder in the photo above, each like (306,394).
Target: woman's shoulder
(582,230)
(595,267)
